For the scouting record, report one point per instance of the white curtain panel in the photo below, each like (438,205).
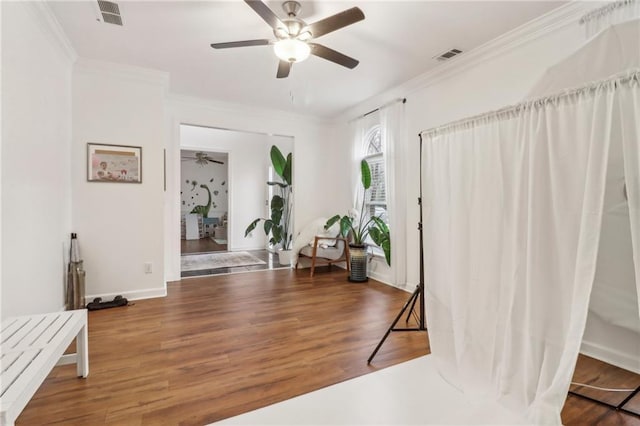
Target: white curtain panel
(513,205)
(629,101)
(610,14)
(392,126)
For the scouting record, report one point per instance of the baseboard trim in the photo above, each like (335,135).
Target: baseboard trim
(384,279)
(130,295)
(610,356)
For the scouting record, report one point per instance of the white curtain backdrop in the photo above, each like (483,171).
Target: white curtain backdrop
(630,103)
(392,126)
(610,14)
(513,205)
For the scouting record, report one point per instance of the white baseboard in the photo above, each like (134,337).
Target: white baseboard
(130,295)
(610,356)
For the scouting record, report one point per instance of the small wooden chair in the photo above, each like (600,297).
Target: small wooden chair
(326,255)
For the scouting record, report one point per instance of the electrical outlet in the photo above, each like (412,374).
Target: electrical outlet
(148,267)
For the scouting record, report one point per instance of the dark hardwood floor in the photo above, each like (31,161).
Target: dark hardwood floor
(203,245)
(578,411)
(219,346)
(223,345)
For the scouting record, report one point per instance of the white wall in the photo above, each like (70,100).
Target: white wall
(249,162)
(36,135)
(317,157)
(120,226)
(493,76)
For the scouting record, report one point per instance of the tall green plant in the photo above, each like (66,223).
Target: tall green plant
(281,204)
(359,228)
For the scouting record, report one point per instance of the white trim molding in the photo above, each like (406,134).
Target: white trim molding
(246,111)
(127,72)
(568,14)
(610,356)
(130,295)
(51,26)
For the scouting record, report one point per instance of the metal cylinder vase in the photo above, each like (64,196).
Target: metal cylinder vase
(358,255)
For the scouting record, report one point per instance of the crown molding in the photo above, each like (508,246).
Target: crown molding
(50,25)
(548,23)
(127,72)
(246,111)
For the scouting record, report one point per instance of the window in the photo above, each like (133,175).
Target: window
(375,203)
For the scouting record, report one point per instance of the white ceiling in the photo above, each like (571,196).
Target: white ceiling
(396,42)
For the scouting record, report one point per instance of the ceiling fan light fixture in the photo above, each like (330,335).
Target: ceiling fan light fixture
(292,50)
(305,35)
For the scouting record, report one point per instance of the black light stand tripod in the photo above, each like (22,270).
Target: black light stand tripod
(418,293)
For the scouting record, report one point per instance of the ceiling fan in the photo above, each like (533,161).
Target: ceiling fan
(294,36)
(202,159)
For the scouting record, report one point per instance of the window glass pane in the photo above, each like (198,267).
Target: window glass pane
(374,142)
(378,210)
(377,191)
(376,199)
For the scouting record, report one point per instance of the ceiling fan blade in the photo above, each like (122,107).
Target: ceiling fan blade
(283,69)
(261,42)
(335,22)
(215,161)
(333,56)
(265,13)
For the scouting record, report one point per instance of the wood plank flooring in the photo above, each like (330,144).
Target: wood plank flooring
(203,245)
(220,346)
(578,411)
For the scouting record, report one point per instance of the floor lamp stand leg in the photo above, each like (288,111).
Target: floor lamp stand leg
(418,294)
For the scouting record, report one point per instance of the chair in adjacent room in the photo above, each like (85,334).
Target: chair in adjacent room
(326,251)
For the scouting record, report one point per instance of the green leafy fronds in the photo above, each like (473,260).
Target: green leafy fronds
(268,225)
(276,215)
(365,172)
(331,221)
(286,174)
(251,227)
(278,225)
(346,225)
(278,161)
(277,203)
(276,232)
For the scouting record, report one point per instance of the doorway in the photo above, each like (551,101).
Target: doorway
(246,157)
(204,199)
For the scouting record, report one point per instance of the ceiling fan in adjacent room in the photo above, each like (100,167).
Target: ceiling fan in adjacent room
(294,37)
(202,159)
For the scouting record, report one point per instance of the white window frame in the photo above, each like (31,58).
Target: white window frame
(375,130)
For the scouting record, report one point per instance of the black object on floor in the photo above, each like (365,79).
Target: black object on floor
(99,304)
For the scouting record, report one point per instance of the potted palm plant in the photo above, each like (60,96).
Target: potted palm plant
(360,226)
(278,224)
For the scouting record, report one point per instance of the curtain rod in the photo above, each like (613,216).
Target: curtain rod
(604,10)
(403,100)
(627,77)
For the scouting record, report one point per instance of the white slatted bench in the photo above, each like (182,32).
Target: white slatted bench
(30,347)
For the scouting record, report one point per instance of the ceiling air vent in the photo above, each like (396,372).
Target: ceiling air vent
(110,12)
(448,55)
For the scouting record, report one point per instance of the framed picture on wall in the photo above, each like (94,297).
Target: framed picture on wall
(114,163)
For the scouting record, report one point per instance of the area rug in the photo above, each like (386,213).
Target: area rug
(197,262)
